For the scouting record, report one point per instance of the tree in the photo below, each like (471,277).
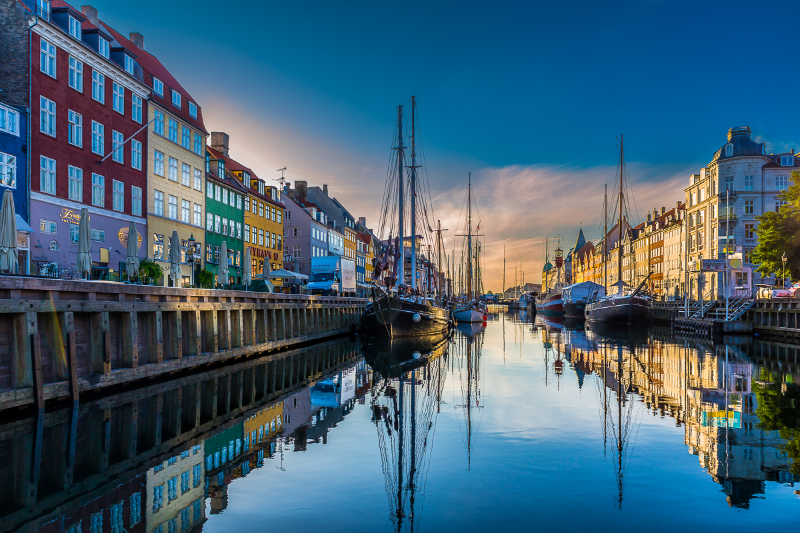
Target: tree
(150,271)
(205,279)
(779,232)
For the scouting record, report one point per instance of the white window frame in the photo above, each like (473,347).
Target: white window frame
(75,188)
(186,137)
(47,175)
(98,87)
(173,207)
(47,116)
(118,201)
(9,120)
(173,169)
(98,190)
(198,215)
(47,58)
(172,130)
(176,98)
(103,47)
(198,144)
(158,203)
(209,221)
(8,170)
(192,109)
(75,130)
(186,174)
(74,27)
(784,183)
(136,201)
(136,154)
(158,86)
(130,65)
(198,180)
(186,211)
(118,146)
(136,108)
(76,74)
(118,100)
(98,138)
(247,233)
(158,163)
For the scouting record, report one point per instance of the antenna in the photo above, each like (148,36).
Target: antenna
(281,179)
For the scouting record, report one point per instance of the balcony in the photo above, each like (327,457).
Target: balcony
(725,217)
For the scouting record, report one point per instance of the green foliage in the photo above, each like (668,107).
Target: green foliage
(150,271)
(779,410)
(205,279)
(779,232)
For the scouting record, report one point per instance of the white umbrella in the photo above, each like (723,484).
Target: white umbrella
(222,276)
(84,261)
(175,259)
(8,234)
(265,269)
(132,262)
(247,274)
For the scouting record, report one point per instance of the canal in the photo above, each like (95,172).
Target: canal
(524,424)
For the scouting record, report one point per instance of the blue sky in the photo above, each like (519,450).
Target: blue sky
(523,87)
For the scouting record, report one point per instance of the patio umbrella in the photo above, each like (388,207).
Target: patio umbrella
(8,234)
(222,276)
(265,269)
(132,262)
(247,274)
(175,259)
(84,262)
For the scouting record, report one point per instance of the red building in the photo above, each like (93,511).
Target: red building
(88,140)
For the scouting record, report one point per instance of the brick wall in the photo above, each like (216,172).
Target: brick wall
(14,52)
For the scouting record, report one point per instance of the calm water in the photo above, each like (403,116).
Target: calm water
(527,425)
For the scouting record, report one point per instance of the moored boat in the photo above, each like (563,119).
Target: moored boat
(550,304)
(576,296)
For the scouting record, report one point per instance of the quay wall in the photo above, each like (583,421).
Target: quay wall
(60,338)
(776,318)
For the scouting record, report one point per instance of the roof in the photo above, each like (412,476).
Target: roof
(152,67)
(304,202)
(366,238)
(233,165)
(739,137)
(580,242)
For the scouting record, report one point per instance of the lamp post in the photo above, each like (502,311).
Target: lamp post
(783,271)
(191,255)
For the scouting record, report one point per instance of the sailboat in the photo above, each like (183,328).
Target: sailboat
(399,309)
(549,301)
(470,310)
(620,308)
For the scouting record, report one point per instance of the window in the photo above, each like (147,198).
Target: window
(296,232)
(198,215)
(158,202)
(247,203)
(749,179)
(749,207)
(158,123)
(43,11)
(118,100)
(272,238)
(749,231)
(787,160)
(198,143)
(728,150)
(8,170)
(129,64)
(781,182)
(261,237)
(255,207)
(779,204)
(158,163)
(75,131)
(98,141)
(48,226)
(75,183)
(173,130)
(296,252)
(96,235)
(136,108)
(96,522)
(136,508)
(9,120)
(47,123)
(173,169)
(117,140)
(255,235)
(261,210)
(176,98)
(218,193)
(103,48)
(185,211)
(238,230)
(210,190)
(729,183)
(98,87)
(193,109)
(119,195)
(47,59)
(209,259)
(225,226)
(221,174)
(47,175)
(173,207)
(273,214)
(233,200)
(198,180)
(247,233)
(217,223)
(185,137)
(158,86)
(75,74)
(136,201)
(279,244)
(136,154)
(209,221)
(279,216)
(98,190)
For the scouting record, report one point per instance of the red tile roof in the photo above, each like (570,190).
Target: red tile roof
(153,68)
(235,166)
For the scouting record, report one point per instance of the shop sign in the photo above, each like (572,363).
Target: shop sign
(712,265)
(123,237)
(70,216)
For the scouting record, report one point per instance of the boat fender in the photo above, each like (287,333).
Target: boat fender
(415,317)
(485,317)
(416,355)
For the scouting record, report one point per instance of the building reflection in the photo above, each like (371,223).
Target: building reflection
(737,406)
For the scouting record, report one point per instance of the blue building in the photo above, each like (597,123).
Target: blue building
(14,173)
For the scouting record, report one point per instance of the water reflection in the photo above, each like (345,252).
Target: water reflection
(163,459)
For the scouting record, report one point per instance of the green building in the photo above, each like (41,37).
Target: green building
(224,219)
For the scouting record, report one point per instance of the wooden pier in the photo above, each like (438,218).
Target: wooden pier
(59,339)
(776,318)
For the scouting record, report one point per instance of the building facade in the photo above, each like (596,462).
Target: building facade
(224,220)
(176,492)
(14,174)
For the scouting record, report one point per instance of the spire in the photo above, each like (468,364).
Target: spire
(581,240)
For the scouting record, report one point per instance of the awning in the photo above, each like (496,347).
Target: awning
(22,225)
(282,273)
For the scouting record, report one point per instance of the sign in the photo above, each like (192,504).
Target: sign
(68,215)
(122,234)
(712,265)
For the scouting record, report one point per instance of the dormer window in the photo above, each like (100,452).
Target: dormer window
(74,27)
(176,98)
(193,109)
(129,64)
(787,160)
(158,86)
(103,47)
(221,168)
(728,150)
(43,9)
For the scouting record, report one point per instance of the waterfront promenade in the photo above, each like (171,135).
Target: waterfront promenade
(60,339)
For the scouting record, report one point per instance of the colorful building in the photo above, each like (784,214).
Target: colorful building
(176,492)
(14,174)
(224,219)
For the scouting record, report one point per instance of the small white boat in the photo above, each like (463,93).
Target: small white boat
(468,315)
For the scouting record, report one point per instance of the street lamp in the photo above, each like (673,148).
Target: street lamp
(191,255)
(783,270)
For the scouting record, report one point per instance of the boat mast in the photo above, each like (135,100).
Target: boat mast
(413,197)
(400,237)
(605,238)
(439,254)
(619,243)
(504,271)
(469,238)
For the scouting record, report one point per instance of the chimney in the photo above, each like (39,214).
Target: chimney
(137,39)
(325,189)
(678,204)
(91,14)
(301,187)
(649,217)
(663,210)
(362,221)
(219,142)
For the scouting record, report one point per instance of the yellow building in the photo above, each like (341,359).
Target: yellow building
(350,239)
(176,143)
(263,215)
(263,425)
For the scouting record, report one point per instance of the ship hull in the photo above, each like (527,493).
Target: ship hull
(626,310)
(574,309)
(550,305)
(468,316)
(400,321)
